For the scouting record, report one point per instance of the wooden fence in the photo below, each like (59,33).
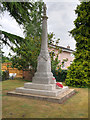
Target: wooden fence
(19,73)
(7,66)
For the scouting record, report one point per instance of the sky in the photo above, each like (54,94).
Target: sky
(60,20)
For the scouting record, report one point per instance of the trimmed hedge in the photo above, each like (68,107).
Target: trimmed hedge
(60,75)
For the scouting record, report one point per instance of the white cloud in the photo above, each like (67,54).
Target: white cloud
(46,1)
(61,17)
(10,25)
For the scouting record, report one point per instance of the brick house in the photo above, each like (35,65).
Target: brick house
(66,53)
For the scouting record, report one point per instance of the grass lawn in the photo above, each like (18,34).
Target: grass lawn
(19,107)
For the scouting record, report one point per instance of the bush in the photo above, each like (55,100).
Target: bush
(60,75)
(5,75)
(77,76)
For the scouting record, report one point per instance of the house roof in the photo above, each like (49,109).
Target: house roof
(63,48)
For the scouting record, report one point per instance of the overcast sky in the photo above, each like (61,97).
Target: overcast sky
(60,20)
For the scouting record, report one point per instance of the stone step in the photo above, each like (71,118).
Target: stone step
(58,99)
(52,93)
(40,86)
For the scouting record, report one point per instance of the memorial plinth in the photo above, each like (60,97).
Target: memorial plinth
(43,83)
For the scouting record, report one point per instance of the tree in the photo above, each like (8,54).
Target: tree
(5,59)
(26,54)
(78,73)
(27,14)
(27,50)
(11,39)
(18,10)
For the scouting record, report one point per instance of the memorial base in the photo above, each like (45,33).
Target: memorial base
(48,92)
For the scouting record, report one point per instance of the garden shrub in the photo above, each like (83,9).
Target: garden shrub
(77,76)
(5,75)
(60,75)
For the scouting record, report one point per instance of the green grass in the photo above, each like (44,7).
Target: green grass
(20,107)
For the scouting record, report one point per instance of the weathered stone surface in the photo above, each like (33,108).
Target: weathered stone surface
(46,92)
(44,74)
(59,99)
(40,86)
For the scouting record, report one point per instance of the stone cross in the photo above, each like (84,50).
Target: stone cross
(44,9)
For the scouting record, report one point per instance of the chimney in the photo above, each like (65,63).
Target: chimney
(68,47)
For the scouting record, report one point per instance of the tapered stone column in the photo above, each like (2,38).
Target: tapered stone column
(44,74)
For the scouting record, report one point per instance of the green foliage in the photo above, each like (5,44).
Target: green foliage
(78,73)
(56,63)
(27,50)
(60,75)
(5,59)
(14,39)
(18,10)
(5,75)
(27,14)
(34,27)
(26,54)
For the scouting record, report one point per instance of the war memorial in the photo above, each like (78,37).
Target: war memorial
(44,85)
